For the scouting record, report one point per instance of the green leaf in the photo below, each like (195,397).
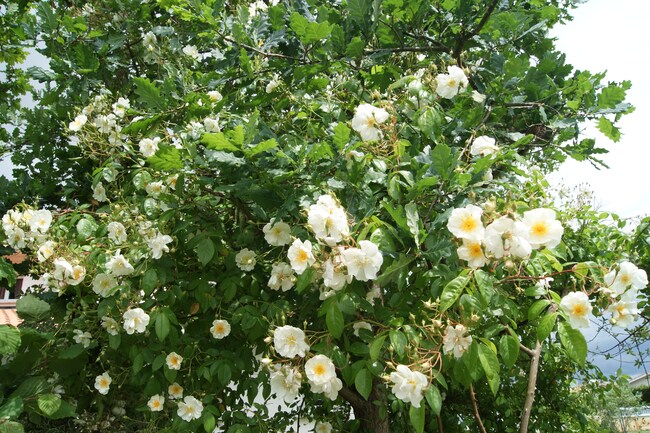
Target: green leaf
(262,147)
(360,11)
(7,272)
(66,410)
(11,427)
(509,350)
(485,283)
(304,280)
(49,404)
(363,382)
(452,291)
(434,399)
(86,228)
(334,320)
(237,135)
(416,415)
(307,31)
(341,135)
(162,326)
(537,308)
(149,281)
(72,351)
(86,59)
(166,158)
(148,94)
(398,341)
(12,408)
(430,122)
(31,387)
(218,141)
(209,422)
(611,96)
(490,365)
(442,161)
(546,326)
(355,47)
(376,346)
(413,221)
(574,342)
(224,373)
(158,362)
(607,127)
(205,251)
(9,339)
(29,307)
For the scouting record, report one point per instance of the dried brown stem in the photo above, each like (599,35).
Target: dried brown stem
(532,383)
(472,396)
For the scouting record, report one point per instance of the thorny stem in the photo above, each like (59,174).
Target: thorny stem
(532,382)
(472,396)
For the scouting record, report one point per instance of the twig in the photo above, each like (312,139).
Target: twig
(475,408)
(263,53)
(440,424)
(465,37)
(408,50)
(530,391)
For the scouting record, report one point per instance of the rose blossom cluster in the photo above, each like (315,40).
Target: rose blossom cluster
(289,342)
(504,236)
(338,264)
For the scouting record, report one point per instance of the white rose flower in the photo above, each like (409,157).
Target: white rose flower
(154,189)
(16,238)
(277,234)
(484,146)
(83,338)
(282,277)
(158,245)
(174,361)
(156,403)
(117,232)
(290,341)
(365,121)
(220,329)
(120,107)
(118,265)
(45,251)
(542,229)
(321,375)
(11,219)
(78,123)
(191,51)
(454,340)
(300,256)
(363,263)
(99,192)
(628,275)
(175,391)
(103,383)
(285,383)
(245,260)
(328,220)
(40,221)
(272,85)
(623,313)
(408,385)
(323,427)
(451,83)
(135,320)
(149,41)
(104,285)
(62,269)
(110,325)
(106,124)
(472,252)
(501,239)
(149,146)
(334,275)
(465,223)
(211,124)
(478,97)
(215,96)
(190,408)
(577,307)
(77,275)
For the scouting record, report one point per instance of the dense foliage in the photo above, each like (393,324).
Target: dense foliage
(251,215)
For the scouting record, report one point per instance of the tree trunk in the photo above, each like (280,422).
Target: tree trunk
(365,411)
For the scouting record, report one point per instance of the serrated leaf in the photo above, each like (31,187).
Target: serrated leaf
(72,351)
(162,326)
(334,320)
(11,427)
(607,127)
(413,221)
(509,350)
(12,408)
(86,228)
(66,410)
(490,365)
(376,346)
(398,341)
(9,339)
(29,307)
(355,47)
(86,59)
(574,342)
(30,387)
(7,272)
(341,135)
(148,94)
(218,141)
(205,251)
(546,326)
(49,404)
(452,291)
(262,147)
(434,399)
(363,383)
(416,416)
(166,158)
(442,160)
